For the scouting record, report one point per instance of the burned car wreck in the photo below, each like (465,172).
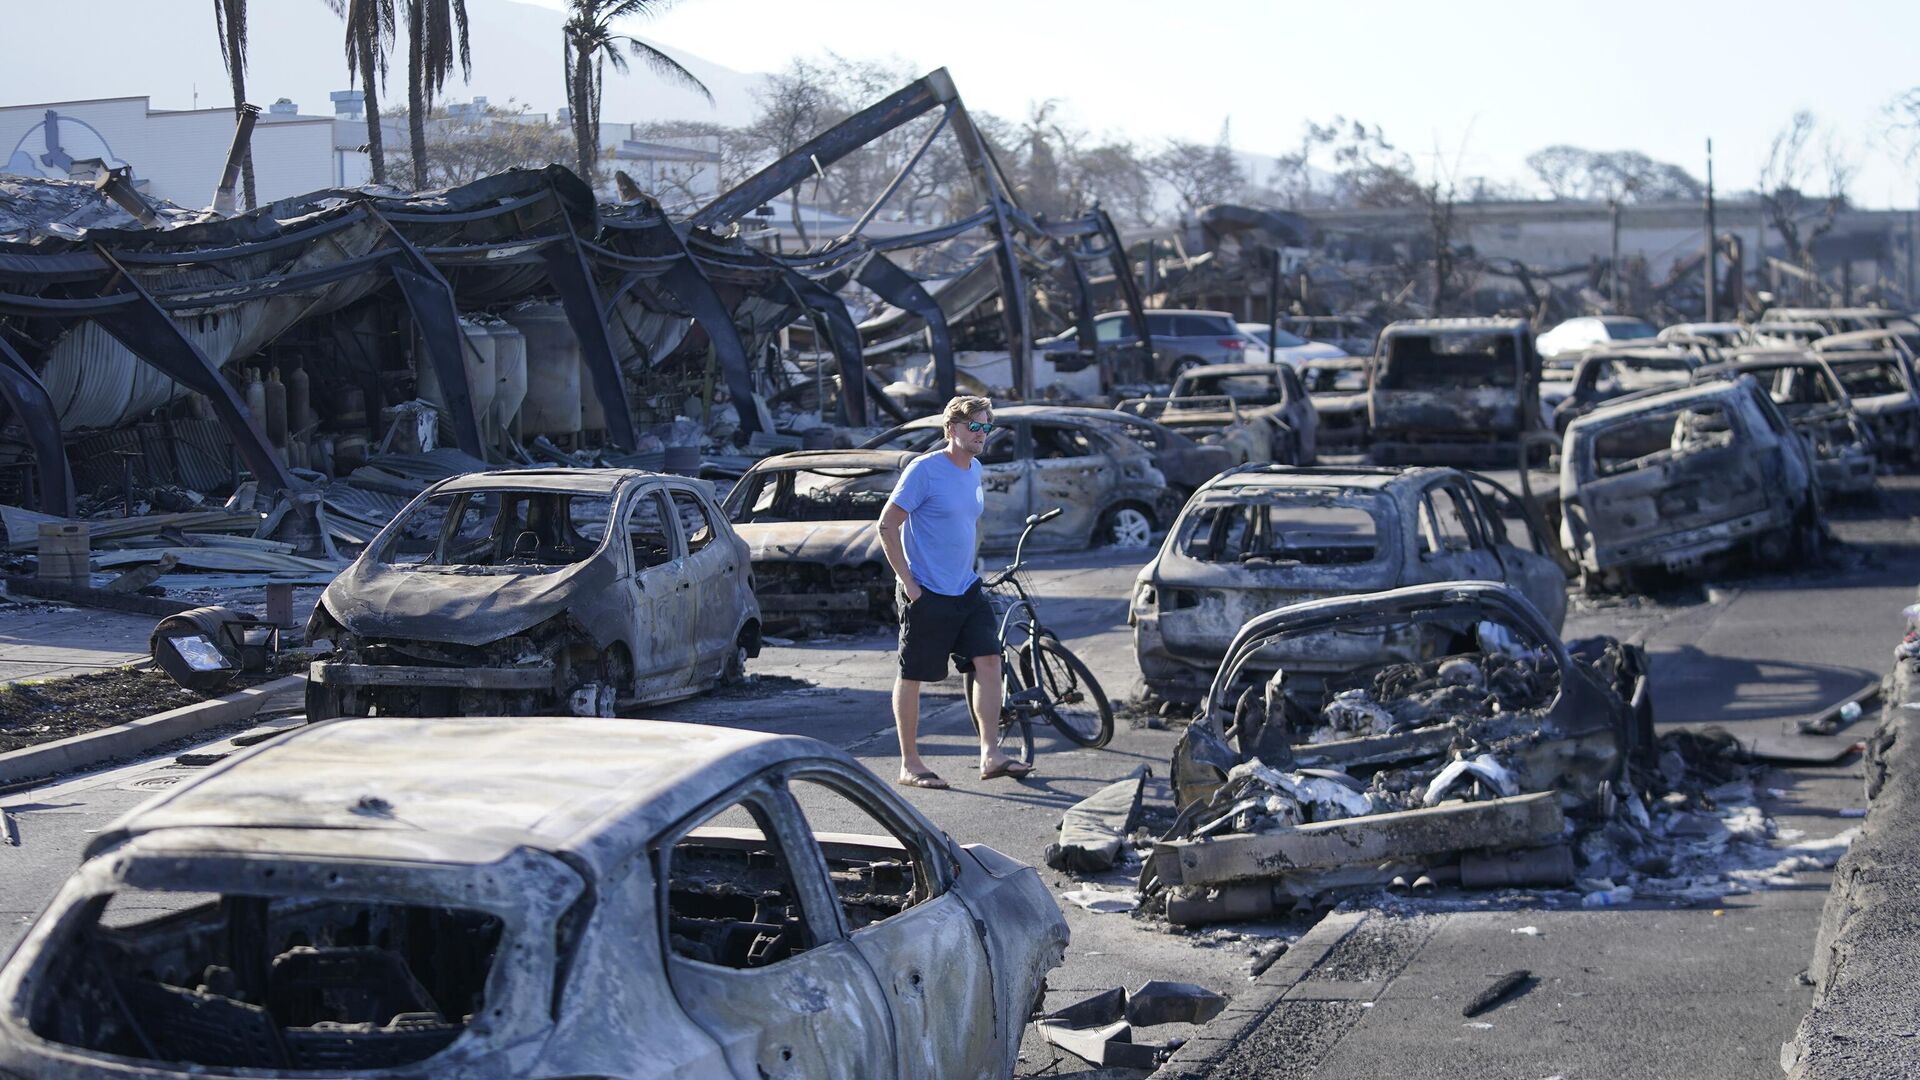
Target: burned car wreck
(1453,390)
(408,897)
(1811,398)
(1459,750)
(811,521)
(1677,477)
(538,591)
(1258,538)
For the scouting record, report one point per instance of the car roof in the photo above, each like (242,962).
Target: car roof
(573,481)
(844,459)
(1355,476)
(1477,323)
(1859,337)
(585,786)
(1657,400)
(1234,369)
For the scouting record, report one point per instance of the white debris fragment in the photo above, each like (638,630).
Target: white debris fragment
(1530,931)
(1102,901)
(1485,767)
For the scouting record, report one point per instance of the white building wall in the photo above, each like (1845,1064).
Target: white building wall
(178,155)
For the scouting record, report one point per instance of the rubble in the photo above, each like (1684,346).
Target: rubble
(1100,1029)
(1093,830)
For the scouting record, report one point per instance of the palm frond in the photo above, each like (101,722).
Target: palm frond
(667,67)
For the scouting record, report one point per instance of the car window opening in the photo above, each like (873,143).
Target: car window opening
(1304,531)
(874,883)
(731,897)
(1646,441)
(1448,361)
(285,982)
(522,530)
(829,494)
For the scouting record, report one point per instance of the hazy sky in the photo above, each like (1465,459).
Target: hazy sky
(1474,85)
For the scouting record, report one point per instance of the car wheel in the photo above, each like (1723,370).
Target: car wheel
(734,668)
(1126,527)
(1186,364)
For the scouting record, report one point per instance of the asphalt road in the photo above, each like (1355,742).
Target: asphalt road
(1641,991)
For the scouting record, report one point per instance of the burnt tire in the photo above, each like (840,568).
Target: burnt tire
(1127,527)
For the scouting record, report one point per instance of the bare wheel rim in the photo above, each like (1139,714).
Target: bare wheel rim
(1127,527)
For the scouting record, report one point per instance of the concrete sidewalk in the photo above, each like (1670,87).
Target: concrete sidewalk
(39,641)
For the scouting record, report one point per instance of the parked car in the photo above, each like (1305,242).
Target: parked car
(1338,389)
(1269,392)
(1185,463)
(1810,396)
(1262,537)
(1181,339)
(1840,320)
(1883,388)
(538,591)
(1038,458)
(1290,348)
(497,898)
(1605,374)
(1453,390)
(1588,331)
(1676,477)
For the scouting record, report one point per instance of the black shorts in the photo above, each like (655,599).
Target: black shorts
(937,626)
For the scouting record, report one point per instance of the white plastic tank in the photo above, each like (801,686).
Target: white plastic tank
(552,402)
(510,374)
(476,352)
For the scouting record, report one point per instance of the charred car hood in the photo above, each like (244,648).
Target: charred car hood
(834,543)
(446,605)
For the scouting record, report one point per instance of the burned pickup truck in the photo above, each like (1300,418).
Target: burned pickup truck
(495,898)
(1677,477)
(1460,749)
(538,591)
(1453,391)
(1263,537)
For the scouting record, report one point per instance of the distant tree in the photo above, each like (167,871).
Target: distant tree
(591,46)
(370,29)
(436,30)
(1197,173)
(1362,169)
(1627,176)
(481,142)
(1798,217)
(230,19)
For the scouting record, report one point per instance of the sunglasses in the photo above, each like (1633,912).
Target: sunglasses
(979,425)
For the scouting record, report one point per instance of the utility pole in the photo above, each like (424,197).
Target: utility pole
(1613,263)
(1910,293)
(1713,248)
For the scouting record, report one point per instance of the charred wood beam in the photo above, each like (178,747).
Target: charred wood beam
(901,289)
(27,396)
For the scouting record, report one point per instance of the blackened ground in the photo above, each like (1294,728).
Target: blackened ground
(37,712)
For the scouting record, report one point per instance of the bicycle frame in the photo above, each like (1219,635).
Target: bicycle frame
(1015,606)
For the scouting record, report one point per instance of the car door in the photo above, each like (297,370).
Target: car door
(1520,538)
(894,885)
(756,954)
(1073,471)
(664,602)
(1004,479)
(1453,543)
(711,565)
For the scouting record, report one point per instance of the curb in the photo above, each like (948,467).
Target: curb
(1247,1011)
(94,747)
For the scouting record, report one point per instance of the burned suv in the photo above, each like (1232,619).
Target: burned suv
(1453,390)
(538,591)
(1263,537)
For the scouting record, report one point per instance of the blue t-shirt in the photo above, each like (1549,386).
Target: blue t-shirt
(943,504)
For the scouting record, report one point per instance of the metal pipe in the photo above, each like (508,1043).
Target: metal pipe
(224,202)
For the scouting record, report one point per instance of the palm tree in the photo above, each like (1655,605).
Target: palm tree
(591,45)
(369,34)
(230,19)
(434,27)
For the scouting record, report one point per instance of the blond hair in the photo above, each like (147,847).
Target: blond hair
(964,406)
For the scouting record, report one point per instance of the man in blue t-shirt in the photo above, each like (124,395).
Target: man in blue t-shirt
(930,532)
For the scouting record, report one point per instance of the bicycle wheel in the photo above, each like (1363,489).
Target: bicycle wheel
(1016,730)
(1073,700)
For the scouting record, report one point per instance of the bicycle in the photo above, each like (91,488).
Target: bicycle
(1049,682)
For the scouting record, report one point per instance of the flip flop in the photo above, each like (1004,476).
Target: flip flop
(929,780)
(1011,768)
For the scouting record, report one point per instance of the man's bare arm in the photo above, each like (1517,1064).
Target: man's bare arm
(891,520)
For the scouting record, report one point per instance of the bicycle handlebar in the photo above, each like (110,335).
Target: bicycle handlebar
(1033,521)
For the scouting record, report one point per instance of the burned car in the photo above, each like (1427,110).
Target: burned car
(1263,537)
(1810,396)
(1878,376)
(1338,388)
(538,591)
(1185,463)
(1605,374)
(1461,747)
(1259,412)
(1453,390)
(530,897)
(1038,458)
(812,522)
(1679,476)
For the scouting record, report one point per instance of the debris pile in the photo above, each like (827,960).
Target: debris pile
(1100,1028)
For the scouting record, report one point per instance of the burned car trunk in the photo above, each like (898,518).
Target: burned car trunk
(544,591)
(1672,479)
(1453,390)
(491,898)
(1495,732)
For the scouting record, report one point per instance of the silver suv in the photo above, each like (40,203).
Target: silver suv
(1181,339)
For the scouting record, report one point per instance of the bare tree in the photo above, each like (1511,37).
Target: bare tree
(1198,174)
(1798,217)
(1628,176)
(481,142)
